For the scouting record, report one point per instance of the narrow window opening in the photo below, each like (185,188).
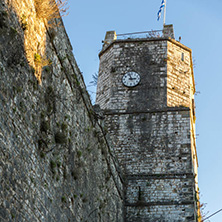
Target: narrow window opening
(193,107)
(182,56)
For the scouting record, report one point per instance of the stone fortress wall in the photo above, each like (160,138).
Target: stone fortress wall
(55,162)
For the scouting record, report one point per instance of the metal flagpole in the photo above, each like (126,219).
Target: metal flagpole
(164,16)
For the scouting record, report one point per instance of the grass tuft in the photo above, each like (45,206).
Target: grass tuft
(51,9)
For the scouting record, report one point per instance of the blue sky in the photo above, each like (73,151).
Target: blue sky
(199,23)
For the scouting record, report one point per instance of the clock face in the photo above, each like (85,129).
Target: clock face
(131,79)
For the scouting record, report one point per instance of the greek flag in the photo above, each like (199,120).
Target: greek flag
(160,10)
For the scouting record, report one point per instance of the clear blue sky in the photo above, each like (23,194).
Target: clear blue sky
(198,22)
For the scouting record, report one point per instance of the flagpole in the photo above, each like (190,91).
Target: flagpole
(164,16)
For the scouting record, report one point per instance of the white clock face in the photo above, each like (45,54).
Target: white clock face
(131,79)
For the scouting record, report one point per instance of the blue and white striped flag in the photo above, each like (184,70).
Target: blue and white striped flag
(160,10)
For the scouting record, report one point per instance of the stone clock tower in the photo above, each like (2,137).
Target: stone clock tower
(146,90)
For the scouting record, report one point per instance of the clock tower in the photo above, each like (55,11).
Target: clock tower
(146,91)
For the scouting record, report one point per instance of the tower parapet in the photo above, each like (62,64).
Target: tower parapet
(168,31)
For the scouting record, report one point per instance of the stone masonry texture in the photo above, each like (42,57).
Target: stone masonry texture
(151,126)
(55,161)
